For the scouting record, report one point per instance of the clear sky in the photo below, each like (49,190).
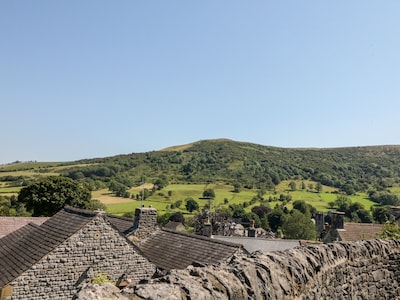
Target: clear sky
(83,79)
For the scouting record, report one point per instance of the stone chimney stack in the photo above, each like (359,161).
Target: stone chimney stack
(320,222)
(145,222)
(207,228)
(252,230)
(337,220)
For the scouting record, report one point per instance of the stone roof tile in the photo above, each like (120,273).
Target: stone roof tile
(10,224)
(21,249)
(170,249)
(359,231)
(124,225)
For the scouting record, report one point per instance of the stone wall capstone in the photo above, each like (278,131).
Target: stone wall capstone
(354,270)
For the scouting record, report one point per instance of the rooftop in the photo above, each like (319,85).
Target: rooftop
(10,224)
(260,244)
(170,249)
(24,247)
(124,225)
(359,231)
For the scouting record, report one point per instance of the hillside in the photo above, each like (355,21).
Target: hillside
(249,165)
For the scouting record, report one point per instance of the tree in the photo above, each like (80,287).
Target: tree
(364,216)
(276,218)
(209,193)
(191,205)
(236,187)
(301,206)
(160,183)
(343,203)
(48,195)
(178,203)
(119,189)
(177,217)
(293,185)
(348,189)
(303,185)
(318,187)
(299,226)
(164,219)
(389,231)
(261,211)
(381,214)
(237,210)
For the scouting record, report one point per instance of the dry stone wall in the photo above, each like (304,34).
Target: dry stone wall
(96,249)
(358,270)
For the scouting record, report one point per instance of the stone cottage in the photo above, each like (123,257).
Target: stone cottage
(338,230)
(53,260)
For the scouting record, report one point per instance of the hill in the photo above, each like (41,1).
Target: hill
(249,165)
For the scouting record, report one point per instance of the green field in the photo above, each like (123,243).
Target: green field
(9,190)
(160,199)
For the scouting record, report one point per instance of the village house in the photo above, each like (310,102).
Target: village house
(74,246)
(338,230)
(53,260)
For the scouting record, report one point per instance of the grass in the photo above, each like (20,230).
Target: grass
(174,192)
(10,190)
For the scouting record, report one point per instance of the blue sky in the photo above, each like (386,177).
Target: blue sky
(83,79)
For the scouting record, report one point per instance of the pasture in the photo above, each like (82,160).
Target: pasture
(224,196)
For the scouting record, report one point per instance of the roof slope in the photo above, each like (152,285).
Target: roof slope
(359,231)
(23,248)
(170,249)
(124,225)
(10,224)
(261,244)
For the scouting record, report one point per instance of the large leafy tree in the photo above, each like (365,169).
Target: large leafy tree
(191,204)
(48,195)
(299,226)
(276,218)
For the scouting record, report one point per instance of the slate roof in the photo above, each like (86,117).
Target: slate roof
(359,231)
(23,248)
(124,225)
(170,249)
(10,224)
(261,244)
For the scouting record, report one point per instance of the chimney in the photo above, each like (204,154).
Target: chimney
(251,231)
(145,221)
(207,228)
(337,220)
(320,222)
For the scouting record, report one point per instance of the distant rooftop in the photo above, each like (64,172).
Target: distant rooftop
(10,224)
(260,244)
(359,231)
